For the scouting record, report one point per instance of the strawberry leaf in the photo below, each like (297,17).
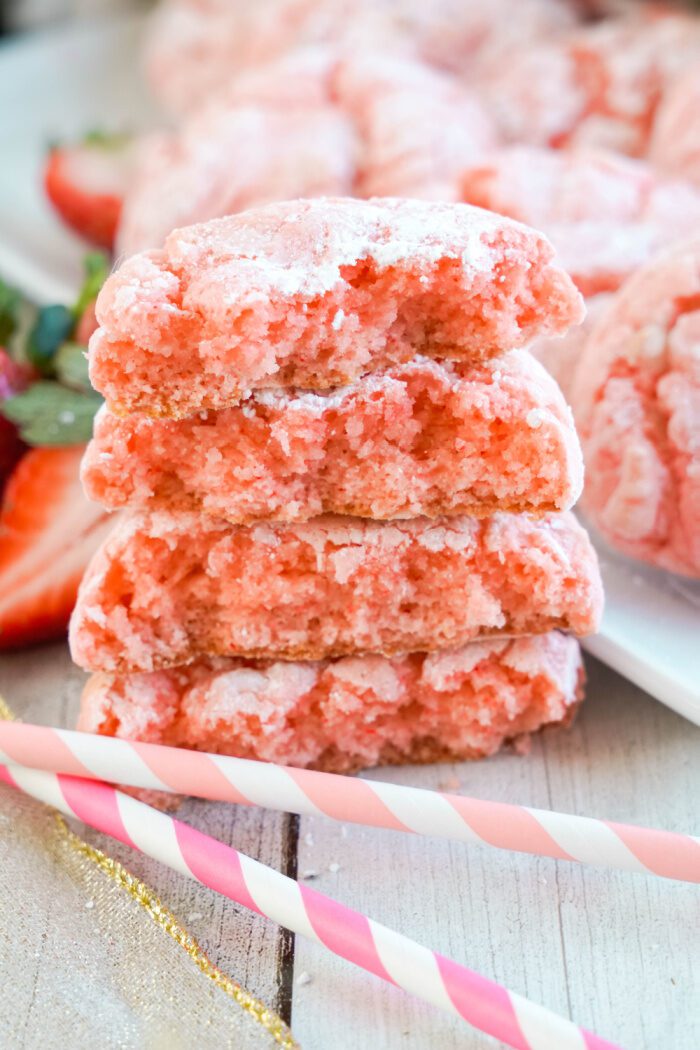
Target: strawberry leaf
(106,139)
(10,302)
(53,326)
(72,367)
(48,414)
(96,266)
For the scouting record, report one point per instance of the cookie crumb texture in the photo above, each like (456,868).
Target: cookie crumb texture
(424,438)
(351,713)
(314,294)
(166,588)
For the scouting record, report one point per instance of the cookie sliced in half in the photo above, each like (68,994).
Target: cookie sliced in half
(315,293)
(348,714)
(166,588)
(424,438)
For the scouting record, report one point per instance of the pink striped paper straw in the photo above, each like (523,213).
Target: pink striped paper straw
(486,1005)
(521,828)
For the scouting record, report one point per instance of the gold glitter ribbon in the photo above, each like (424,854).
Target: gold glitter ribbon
(164,919)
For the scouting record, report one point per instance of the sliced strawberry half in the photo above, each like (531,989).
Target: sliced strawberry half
(48,532)
(86,183)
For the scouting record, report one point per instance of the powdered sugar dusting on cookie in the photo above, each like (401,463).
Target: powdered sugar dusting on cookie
(637,398)
(251,300)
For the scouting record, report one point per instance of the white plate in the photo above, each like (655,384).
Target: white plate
(651,631)
(65,83)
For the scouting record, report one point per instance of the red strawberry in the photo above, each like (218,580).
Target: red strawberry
(11,449)
(86,183)
(48,532)
(86,325)
(13,378)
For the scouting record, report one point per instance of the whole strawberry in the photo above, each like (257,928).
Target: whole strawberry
(86,182)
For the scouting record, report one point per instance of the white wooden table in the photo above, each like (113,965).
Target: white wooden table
(620,953)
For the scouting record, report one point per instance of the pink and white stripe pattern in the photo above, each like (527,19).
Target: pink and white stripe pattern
(486,1005)
(521,828)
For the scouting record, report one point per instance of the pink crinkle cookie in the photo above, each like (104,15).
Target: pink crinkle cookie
(560,355)
(427,437)
(636,396)
(195,48)
(315,293)
(675,140)
(167,588)
(347,714)
(417,129)
(606,215)
(314,123)
(595,85)
(229,157)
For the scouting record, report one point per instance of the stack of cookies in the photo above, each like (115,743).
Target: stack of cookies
(348,538)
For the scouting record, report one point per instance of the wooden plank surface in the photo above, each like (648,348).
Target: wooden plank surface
(43,686)
(618,952)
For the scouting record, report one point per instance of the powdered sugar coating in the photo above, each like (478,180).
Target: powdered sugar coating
(427,437)
(166,588)
(350,713)
(253,300)
(314,123)
(637,400)
(417,128)
(675,140)
(605,214)
(596,85)
(561,355)
(195,48)
(228,157)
